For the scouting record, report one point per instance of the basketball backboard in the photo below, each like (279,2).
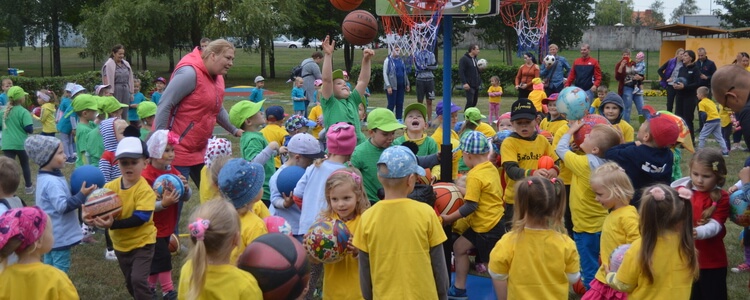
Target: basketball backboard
(456,8)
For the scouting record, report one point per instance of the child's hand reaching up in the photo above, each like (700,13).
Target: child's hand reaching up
(329,45)
(87,190)
(368,53)
(574,126)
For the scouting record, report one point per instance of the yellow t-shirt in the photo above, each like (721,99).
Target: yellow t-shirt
(275,133)
(138,197)
(565,174)
(627,131)
(251,227)
(526,153)
(672,276)
(495,89)
(483,186)
(47,118)
(587,213)
(35,281)
(709,107)
(552,126)
(455,141)
(341,279)
(400,265)
(620,227)
(595,104)
(485,129)
(725,115)
(208,190)
(315,113)
(261,210)
(222,282)
(537,262)
(536,97)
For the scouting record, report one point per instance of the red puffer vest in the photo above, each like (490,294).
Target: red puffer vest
(194,118)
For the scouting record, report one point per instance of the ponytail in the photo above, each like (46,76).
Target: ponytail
(200,263)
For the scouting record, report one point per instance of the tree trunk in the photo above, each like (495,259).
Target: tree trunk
(272,61)
(262,42)
(171,58)
(143,60)
(348,56)
(55,26)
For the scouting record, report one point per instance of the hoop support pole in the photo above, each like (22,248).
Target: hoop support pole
(446,157)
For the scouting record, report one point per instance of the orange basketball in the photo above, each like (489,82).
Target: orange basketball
(360,27)
(447,198)
(174,244)
(545,162)
(346,5)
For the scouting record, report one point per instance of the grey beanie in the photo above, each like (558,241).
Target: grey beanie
(41,148)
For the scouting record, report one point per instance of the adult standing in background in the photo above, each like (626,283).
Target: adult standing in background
(425,63)
(310,73)
(555,75)
(118,74)
(585,73)
(668,73)
(626,76)
(395,81)
(469,74)
(526,73)
(707,67)
(685,92)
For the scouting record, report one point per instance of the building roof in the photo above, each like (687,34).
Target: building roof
(689,30)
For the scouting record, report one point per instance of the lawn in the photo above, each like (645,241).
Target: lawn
(96,278)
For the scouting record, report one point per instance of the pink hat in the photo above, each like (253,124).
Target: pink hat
(341,139)
(318,82)
(640,55)
(26,224)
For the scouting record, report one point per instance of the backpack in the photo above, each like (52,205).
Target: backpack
(297,72)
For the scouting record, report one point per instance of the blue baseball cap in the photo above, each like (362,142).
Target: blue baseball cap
(399,162)
(277,112)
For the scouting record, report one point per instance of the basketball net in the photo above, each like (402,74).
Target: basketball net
(418,22)
(529,19)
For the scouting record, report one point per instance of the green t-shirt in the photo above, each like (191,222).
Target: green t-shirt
(83,135)
(251,144)
(14,134)
(365,158)
(144,133)
(95,146)
(344,110)
(427,147)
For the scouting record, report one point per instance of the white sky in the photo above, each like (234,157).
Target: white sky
(706,6)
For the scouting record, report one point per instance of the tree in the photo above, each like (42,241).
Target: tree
(566,21)
(687,7)
(657,13)
(737,14)
(611,12)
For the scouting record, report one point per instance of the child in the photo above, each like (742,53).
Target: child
(473,121)
(516,265)
(454,138)
(601,92)
(65,123)
(416,124)
(504,122)
(662,263)
(53,196)
(111,131)
(27,232)
(103,90)
(483,209)
(418,271)
(495,92)
(161,84)
(46,100)
(208,273)
(613,191)
(612,108)
(316,113)
(318,83)
(338,101)
(587,214)
(274,131)
(640,69)
(296,124)
(217,147)
(85,107)
(17,124)
(346,200)
(161,150)
(709,117)
(298,97)
(708,173)
(138,97)
(133,233)
(242,184)
(725,117)
(537,94)
(257,93)
(9,171)
(554,119)
(147,113)
(7,83)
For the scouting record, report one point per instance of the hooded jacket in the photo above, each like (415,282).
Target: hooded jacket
(613,98)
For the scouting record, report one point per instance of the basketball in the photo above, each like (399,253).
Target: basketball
(102,202)
(738,209)
(88,173)
(346,5)
(167,183)
(615,259)
(276,224)
(549,60)
(326,240)
(288,178)
(360,27)
(545,162)
(174,244)
(427,178)
(588,123)
(447,198)
(572,103)
(279,263)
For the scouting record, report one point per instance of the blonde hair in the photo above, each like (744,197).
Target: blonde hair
(602,89)
(608,137)
(217,243)
(10,105)
(216,164)
(541,200)
(712,159)
(703,91)
(346,176)
(298,79)
(613,178)
(216,46)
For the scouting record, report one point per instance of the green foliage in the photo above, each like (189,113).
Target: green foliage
(657,13)
(611,12)
(737,14)
(687,7)
(566,21)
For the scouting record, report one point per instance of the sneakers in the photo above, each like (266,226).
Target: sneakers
(637,90)
(743,267)
(457,294)
(171,295)
(29,190)
(110,255)
(725,154)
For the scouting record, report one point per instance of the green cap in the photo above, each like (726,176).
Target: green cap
(83,102)
(243,110)
(16,92)
(418,106)
(109,104)
(146,109)
(473,115)
(383,119)
(338,74)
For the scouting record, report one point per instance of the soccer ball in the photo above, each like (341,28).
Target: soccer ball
(549,60)
(482,63)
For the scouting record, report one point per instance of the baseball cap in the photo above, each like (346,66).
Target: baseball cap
(146,109)
(383,119)
(341,139)
(131,147)
(16,92)
(418,106)
(69,86)
(296,122)
(337,74)
(259,79)
(83,102)
(160,79)
(666,130)
(474,142)
(276,112)
(473,115)
(99,88)
(77,88)
(550,98)
(439,108)
(522,109)
(306,145)
(243,110)
(399,162)
(109,104)
(536,80)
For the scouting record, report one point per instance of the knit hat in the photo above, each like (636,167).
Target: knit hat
(399,162)
(217,147)
(259,79)
(474,142)
(296,122)
(146,109)
(240,181)
(664,130)
(16,92)
(243,110)
(275,113)
(522,109)
(640,55)
(306,145)
(473,115)
(41,148)
(131,147)
(158,142)
(439,108)
(26,224)
(341,139)
(383,119)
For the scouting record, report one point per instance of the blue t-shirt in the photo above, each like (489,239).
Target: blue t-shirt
(298,93)
(155,97)
(3,99)
(133,113)
(64,125)
(256,95)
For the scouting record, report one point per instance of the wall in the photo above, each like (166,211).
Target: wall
(618,38)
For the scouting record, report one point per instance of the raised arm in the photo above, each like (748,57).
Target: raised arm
(364,74)
(327,72)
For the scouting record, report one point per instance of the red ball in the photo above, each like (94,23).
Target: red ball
(346,5)
(279,264)
(360,27)
(37,111)
(588,123)
(447,198)
(545,162)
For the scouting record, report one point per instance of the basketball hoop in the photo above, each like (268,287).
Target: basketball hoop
(529,19)
(416,26)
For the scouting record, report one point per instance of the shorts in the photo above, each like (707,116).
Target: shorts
(485,241)
(162,261)
(425,87)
